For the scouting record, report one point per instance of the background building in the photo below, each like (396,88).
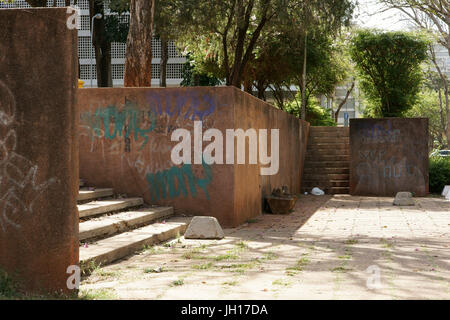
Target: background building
(443,59)
(85,51)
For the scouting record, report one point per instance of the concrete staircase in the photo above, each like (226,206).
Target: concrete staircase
(112,228)
(327,163)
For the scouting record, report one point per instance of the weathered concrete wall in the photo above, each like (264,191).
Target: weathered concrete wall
(388,155)
(132,154)
(38,149)
(250,186)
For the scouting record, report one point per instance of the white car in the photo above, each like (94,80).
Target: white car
(441,153)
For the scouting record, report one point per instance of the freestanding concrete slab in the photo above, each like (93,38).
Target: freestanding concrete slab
(388,155)
(38,149)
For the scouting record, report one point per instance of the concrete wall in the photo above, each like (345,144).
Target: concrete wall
(38,149)
(388,155)
(132,154)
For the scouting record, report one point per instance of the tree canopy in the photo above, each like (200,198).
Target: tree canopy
(389,68)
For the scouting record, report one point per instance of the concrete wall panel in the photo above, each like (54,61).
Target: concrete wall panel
(38,148)
(125,143)
(388,155)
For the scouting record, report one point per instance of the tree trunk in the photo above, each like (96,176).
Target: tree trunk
(102,47)
(303,87)
(138,59)
(163,63)
(336,114)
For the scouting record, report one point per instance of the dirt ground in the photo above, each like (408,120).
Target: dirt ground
(339,247)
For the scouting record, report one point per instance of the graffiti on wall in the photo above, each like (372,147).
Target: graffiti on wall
(385,158)
(177,181)
(185,105)
(380,133)
(150,123)
(126,122)
(19,186)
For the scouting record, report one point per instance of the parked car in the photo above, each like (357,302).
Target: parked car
(440,153)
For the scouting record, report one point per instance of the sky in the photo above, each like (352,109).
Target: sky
(368,15)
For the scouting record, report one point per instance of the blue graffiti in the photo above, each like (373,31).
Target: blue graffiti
(178,181)
(198,106)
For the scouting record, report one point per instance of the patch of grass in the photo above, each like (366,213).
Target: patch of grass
(241,245)
(89,267)
(177,283)
(150,249)
(303,262)
(340,269)
(193,254)
(154,270)
(386,244)
(351,241)
(104,273)
(240,267)
(226,256)
(230,283)
(204,266)
(345,257)
(232,254)
(270,255)
(100,294)
(281,282)
(8,288)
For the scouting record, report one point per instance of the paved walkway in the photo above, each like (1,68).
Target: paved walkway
(339,247)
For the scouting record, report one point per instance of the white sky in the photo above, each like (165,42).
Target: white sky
(367,16)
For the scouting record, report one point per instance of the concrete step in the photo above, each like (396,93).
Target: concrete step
(325,183)
(328,129)
(326,164)
(326,157)
(340,183)
(339,190)
(314,146)
(325,176)
(329,132)
(121,222)
(328,151)
(105,206)
(326,170)
(86,194)
(328,190)
(325,139)
(111,249)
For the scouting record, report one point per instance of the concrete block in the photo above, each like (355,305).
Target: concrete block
(446,191)
(204,228)
(388,155)
(404,199)
(38,148)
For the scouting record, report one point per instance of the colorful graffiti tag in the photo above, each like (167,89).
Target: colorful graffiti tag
(177,181)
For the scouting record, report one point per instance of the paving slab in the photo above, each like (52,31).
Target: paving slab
(331,247)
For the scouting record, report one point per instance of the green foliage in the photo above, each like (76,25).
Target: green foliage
(116,28)
(439,173)
(194,77)
(315,114)
(389,67)
(428,106)
(7,286)
(235,39)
